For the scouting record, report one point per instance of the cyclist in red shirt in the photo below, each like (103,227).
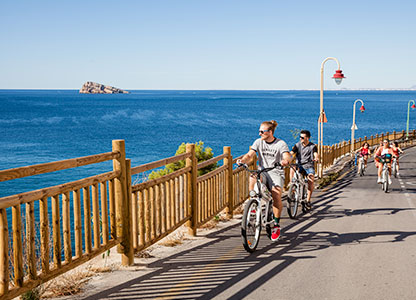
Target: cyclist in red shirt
(364,152)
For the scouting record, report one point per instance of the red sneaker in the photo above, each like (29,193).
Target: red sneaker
(275,233)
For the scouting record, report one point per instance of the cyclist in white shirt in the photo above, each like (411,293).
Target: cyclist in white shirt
(270,150)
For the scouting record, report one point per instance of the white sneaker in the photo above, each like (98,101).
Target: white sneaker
(398,173)
(379,180)
(389,180)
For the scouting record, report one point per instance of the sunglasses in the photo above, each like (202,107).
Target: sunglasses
(263,131)
(302,137)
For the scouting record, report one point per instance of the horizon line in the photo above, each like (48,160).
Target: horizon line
(127,89)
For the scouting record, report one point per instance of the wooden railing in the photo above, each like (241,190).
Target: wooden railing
(162,205)
(35,254)
(336,151)
(55,229)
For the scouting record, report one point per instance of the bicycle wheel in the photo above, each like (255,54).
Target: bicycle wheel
(293,199)
(362,169)
(251,225)
(394,170)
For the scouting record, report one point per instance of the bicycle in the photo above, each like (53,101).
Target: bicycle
(385,172)
(361,165)
(258,211)
(298,192)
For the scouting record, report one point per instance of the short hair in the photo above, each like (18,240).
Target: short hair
(306,132)
(396,144)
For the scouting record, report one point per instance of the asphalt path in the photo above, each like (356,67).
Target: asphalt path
(357,243)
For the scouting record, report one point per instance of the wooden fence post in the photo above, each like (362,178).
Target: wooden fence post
(4,253)
(228,161)
(122,204)
(129,209)
(192,189)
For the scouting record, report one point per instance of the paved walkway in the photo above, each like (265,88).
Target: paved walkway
(358,243)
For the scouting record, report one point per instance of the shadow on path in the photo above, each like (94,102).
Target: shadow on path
(206,271)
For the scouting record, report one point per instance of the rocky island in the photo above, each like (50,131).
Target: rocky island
(96,88)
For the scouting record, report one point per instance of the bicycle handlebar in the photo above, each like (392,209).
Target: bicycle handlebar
(383,160)
(258,172)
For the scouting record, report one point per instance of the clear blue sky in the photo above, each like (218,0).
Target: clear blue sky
(211,44)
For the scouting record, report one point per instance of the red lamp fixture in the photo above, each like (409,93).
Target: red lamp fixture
(413,106)
(338,76)
(362,108)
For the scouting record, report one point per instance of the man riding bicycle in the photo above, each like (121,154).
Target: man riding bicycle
(306,154)
(386,153)
(270,150)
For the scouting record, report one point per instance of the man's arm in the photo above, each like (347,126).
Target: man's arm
(315,154)
(286,159)
(248,157)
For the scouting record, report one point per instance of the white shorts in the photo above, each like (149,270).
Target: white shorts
(273,179)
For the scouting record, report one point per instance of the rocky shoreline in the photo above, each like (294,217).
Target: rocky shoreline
(96,88)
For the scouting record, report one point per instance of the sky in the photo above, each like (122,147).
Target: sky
(206,45)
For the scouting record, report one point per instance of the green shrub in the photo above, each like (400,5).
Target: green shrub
(31,295)
(202,154)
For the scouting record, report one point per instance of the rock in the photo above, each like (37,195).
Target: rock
(96,88)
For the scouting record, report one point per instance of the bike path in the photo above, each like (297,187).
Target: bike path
(357,243)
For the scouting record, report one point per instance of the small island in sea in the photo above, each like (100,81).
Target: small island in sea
(96,88)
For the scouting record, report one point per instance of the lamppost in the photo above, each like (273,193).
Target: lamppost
(338,76)
(408,110)
(354,127)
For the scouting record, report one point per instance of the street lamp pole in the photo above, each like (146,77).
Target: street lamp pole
(408,110)
(338,76)
(354,127)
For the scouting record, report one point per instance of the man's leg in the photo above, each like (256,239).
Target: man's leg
(277,211)
(277,201)
(311,179)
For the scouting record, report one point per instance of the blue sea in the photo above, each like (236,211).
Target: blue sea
(39,126)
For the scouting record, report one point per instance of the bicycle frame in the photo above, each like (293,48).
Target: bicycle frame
(298,191)
(258,211)
(384,174)
(263,196)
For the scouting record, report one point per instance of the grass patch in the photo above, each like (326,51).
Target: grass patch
(66,285)
(174,240)
(143,254)
(324,181)
(239,210)
(211,224)
(101,269)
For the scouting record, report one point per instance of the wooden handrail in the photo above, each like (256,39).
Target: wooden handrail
(210,161)
(56,166)
(158,163)
(159,180)
(212,173)
(26,197)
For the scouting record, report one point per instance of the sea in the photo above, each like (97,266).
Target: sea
(40,126)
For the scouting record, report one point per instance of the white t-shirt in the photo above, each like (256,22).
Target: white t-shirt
(270,153)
